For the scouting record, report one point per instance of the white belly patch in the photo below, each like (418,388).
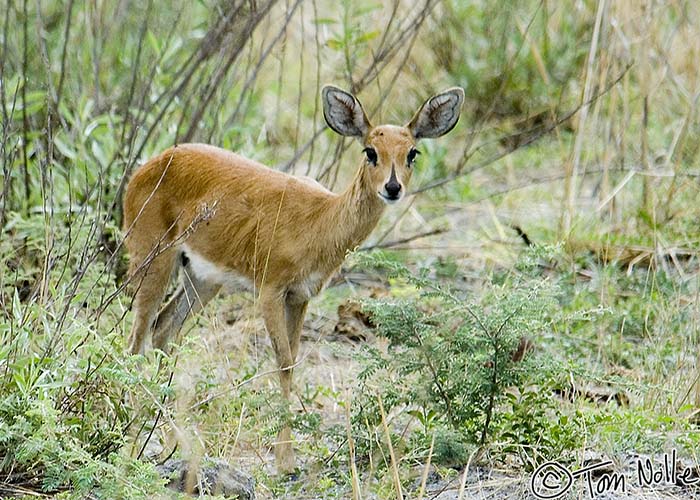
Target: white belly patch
(206,270)
(311,286)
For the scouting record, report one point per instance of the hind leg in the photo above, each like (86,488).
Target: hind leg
(151,283)
(189,298)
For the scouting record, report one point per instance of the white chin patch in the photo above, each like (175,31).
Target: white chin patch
(387,200)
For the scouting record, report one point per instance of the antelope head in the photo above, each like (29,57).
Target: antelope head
(391,150)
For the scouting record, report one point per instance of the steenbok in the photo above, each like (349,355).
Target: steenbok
(228,221)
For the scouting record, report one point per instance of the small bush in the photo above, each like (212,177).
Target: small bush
(69,397)
(64,418)
(451,360)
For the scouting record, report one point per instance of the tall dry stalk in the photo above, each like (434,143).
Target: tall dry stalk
(394,464)
(574,164)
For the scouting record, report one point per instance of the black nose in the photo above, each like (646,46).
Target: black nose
(393,188)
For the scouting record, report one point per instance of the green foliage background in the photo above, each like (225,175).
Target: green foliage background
(580,130)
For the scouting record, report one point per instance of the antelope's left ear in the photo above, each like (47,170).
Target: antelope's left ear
(438,115)
(343,112)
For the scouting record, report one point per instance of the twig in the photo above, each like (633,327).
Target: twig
(158,416)
(25,119)
(523,235)
(64,52)
(356,491)
(401,241)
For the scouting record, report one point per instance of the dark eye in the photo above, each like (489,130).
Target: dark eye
(412,156)
(371,155)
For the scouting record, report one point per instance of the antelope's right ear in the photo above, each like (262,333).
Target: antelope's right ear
(344,113)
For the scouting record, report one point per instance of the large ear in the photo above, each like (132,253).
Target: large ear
(438,115)
(344,113)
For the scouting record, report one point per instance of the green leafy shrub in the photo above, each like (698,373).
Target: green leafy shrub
(451,360)
(70,398)
(535,428)
(64,419)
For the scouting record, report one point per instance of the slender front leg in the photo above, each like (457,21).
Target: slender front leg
(273,310)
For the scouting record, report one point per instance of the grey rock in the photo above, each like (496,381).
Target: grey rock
(212,477)
(153,448)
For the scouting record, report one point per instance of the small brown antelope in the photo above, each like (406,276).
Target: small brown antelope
(228,220)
